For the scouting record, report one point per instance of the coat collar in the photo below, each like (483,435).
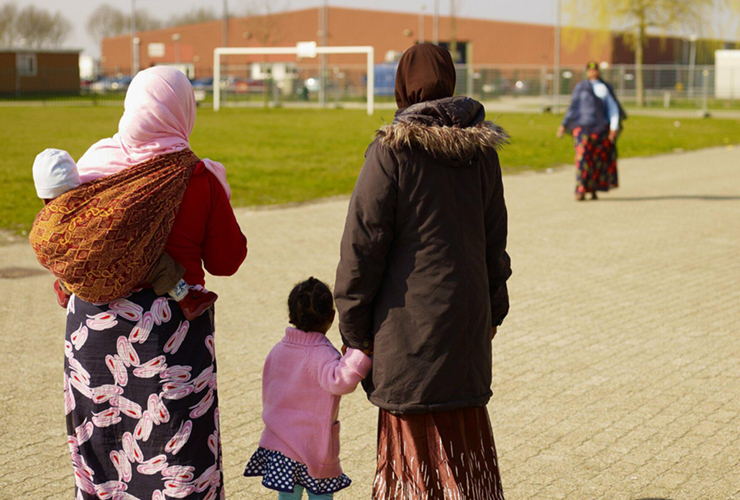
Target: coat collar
(452,129)
(299,337)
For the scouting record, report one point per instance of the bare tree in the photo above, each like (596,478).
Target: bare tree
(37,28)
(107,21)
(263,25)
(263,21)
(636,17)
(145,21)
(8,15)
(199,15)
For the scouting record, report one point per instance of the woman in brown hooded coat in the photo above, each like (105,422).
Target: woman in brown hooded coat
(422,283)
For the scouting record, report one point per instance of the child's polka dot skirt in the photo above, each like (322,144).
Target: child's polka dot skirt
(282,473)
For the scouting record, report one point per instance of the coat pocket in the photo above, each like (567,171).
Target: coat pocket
(335,428)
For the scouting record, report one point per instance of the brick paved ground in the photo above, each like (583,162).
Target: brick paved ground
(617,374)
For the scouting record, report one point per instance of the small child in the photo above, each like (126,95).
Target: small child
(303,379)
(55,173)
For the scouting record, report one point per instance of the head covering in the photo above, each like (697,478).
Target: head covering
(592,65)
(425,73)
(158,117)
(54,173)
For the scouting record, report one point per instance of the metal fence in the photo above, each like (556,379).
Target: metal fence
(278,84)
(664,85)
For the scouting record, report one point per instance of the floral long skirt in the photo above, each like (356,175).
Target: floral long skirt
(141,401)
(596,162)
(433,456)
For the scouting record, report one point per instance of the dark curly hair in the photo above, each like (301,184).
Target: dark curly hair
(310,305)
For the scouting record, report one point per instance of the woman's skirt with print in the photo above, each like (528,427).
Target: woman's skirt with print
(596,161)
(446,455)
(141,400)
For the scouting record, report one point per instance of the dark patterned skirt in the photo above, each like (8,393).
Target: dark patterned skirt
(281,473)
(141,400)
(596,162)
(445,455)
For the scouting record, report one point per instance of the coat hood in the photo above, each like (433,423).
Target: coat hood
(452,129)
(425,72)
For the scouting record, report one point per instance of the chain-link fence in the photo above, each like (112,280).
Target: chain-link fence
(664,85)
(297,84)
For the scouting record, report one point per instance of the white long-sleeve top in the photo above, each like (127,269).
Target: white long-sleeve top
(612,108)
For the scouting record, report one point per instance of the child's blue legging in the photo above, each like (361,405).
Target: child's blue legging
(298,494)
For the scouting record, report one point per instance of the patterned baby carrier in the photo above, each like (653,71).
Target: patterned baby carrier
(103,237)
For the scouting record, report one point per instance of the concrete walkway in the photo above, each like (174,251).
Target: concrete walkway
(617,373)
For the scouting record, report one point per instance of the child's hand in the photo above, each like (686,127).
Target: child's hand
(367,352)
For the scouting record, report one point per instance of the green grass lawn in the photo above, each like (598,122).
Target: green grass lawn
(283,155)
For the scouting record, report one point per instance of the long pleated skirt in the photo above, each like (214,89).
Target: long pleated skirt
(141,400)
(596,161)
(437,456)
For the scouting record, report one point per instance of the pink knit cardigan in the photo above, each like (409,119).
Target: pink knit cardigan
(303,379)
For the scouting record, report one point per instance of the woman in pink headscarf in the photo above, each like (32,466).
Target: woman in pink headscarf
(140,380)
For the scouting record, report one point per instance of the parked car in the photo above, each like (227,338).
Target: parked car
(314,84)
(505,86)
(242,85)
(110,84)
(203,84)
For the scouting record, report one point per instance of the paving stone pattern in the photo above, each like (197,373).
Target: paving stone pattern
(617,373)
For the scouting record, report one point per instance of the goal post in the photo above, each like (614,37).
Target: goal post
(302,49)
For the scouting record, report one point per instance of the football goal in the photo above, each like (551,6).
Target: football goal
(304,50)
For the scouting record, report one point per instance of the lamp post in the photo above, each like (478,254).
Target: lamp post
(134,41)
(137,49)
(692,64)
(435,27)
(323,28)
(705,94)
(556,73)
(225,25)
(176,39)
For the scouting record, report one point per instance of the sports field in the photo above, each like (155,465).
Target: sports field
(276,156)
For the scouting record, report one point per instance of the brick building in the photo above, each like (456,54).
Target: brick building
(26,71)
(481,42)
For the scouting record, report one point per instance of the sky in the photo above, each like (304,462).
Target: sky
(77,11)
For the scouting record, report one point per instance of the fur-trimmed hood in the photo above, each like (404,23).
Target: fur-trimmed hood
(452,129)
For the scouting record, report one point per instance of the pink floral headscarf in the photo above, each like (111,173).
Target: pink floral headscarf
(158,118)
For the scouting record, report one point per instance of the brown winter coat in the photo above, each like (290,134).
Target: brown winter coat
(423,258)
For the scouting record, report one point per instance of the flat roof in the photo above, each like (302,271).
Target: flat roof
(43,51)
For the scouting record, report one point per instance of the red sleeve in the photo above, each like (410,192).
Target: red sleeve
(224,246)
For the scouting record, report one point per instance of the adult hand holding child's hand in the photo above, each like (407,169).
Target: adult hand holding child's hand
(368,352)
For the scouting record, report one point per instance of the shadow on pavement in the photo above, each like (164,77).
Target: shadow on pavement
(675,197)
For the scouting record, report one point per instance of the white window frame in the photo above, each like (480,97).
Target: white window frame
(26,64)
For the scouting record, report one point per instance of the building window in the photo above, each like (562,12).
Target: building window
(461,57)
(26,64)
